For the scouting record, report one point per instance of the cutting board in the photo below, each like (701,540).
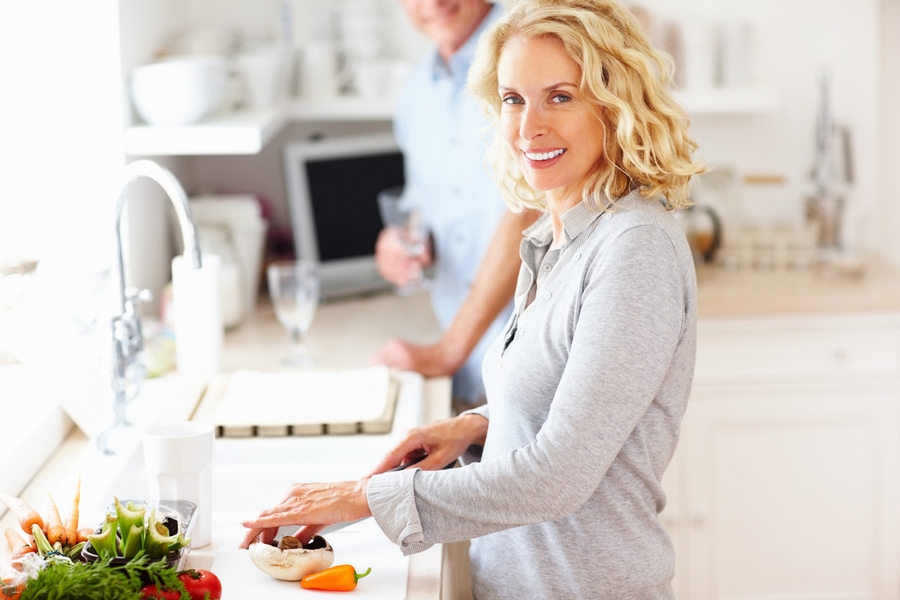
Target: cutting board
(250,474)
(362,545)
(308,403)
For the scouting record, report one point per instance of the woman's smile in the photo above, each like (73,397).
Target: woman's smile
(541,159)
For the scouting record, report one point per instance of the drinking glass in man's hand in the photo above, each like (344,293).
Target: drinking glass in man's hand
(402,216)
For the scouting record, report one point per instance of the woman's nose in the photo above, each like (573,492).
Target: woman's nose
(533,123)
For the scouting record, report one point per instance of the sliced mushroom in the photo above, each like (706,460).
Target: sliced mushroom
(292,564)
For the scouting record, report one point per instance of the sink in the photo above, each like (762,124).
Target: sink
(252,473)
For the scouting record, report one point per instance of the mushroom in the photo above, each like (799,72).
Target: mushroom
(290,560)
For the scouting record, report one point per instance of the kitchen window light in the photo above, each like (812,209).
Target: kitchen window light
(61,157)
(40,425)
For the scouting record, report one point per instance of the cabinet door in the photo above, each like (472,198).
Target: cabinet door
(793,491)
(675,521)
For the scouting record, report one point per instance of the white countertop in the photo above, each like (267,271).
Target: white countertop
(343,336)
(741,294)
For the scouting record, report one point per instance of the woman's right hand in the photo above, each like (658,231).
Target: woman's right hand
(393,261)
(441,441)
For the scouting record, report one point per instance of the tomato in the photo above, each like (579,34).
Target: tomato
(199,583)
(151,592)
(10,590)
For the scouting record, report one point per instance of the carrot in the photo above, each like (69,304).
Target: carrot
(26,515)
(83,533)
(14,540)
(72,521)
(56,532)
(18,546)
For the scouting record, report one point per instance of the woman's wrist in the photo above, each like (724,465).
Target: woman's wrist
(474,428)
(361,498)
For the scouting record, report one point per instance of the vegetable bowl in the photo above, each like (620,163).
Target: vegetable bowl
(134,527)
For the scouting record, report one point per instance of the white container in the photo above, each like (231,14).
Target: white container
(266,75)
(180,90)
(698,55)
(178,457)
(372,77)
(199,331)
(215,239)
(241,214)
(320,75)
(735,53)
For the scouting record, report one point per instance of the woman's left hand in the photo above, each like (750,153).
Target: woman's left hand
(310,504)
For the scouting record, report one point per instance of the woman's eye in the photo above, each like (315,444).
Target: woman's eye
(560,98)
(512,100)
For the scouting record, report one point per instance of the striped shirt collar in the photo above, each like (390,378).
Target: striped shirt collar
(575,221)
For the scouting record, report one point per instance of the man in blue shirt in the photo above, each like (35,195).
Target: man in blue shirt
(475,237)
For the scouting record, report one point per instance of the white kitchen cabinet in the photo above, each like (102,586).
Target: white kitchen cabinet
(786,483)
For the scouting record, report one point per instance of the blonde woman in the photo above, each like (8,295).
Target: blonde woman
(587,386)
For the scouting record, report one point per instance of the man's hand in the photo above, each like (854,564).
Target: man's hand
(492,290)
(393,262)
(436,360)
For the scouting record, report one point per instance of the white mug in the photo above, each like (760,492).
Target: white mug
(178,457)
(698,55)
(371,77)
(320,75)
(266,75)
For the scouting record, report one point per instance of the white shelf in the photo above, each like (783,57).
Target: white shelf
(239,132)
(729,101)
(343,109)
(247,132)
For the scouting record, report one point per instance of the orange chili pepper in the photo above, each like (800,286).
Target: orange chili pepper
(341,578)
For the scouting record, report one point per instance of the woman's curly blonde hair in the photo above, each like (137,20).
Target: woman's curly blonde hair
(623,76)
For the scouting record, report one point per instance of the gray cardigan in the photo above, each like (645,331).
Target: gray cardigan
(586,391)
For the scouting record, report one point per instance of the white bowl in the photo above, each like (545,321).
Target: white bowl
(180,90)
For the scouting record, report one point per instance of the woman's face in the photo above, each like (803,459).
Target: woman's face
(551,129)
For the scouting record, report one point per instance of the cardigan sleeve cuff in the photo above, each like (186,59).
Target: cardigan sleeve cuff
(392,501)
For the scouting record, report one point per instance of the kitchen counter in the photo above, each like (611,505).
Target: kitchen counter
(343,336)
(344,333)
(741,294)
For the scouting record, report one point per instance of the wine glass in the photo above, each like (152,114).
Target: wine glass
(294,290)
(401,215)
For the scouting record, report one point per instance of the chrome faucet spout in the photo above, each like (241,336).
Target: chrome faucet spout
(173,189)
(127,336)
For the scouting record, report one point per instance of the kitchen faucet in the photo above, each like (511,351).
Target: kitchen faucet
(127,337)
